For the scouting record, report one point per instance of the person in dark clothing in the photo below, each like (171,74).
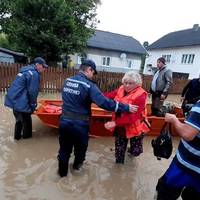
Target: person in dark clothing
(22,96)
(190,94)
(78,93)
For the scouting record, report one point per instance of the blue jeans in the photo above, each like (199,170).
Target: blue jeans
(178,181)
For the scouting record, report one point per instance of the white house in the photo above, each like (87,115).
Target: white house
(113,52)
(181,49)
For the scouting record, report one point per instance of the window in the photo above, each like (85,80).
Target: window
(167,58)
(106,61)
(191,58)
(187,58)
(79,60)
(81,57)
(129,63)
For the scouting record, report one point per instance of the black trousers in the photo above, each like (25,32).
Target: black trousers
(157,103)
(23,125)
(72,134)
(136,147)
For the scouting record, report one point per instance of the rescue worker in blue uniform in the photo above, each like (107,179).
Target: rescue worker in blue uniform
(78,93)
(22,96)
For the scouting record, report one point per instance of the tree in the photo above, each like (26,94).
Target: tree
(3,41)
(48,27)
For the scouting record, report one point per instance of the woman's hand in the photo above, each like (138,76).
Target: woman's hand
(110,125)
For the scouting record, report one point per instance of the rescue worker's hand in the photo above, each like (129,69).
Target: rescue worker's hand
(110,125)
(133,108)
(171,118)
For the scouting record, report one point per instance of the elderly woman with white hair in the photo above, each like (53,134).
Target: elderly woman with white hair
(125,125)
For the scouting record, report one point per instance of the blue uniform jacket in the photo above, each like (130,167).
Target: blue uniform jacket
(23,92)
(78,93)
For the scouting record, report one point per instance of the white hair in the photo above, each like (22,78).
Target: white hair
(132,76)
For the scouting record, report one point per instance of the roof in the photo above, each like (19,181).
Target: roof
(115,42)
(188,37)
(14,53)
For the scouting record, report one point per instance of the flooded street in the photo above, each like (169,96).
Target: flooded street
(29,167)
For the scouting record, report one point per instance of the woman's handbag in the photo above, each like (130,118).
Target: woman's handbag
(162,145)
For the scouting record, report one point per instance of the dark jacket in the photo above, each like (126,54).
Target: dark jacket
(191,91)
(23,92)
(78,93)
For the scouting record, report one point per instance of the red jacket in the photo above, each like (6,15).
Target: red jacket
(133,122)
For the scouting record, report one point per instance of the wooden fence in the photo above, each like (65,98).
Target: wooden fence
(52,79)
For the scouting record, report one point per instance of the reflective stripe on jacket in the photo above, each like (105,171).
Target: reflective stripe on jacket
(138,126)
(78,93)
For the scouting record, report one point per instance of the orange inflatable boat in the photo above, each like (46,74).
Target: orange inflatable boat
(49,112)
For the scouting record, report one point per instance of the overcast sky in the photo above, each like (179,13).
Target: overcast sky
(147,20)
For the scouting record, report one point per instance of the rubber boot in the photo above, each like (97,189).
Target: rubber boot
(77,166)
(62,168)
(18,130)
(119,161)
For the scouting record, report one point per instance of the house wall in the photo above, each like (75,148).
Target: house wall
(175,62)
(4,57)
(117,64)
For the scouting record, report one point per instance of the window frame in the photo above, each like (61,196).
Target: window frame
(106,61)
(167,58)
(187,59)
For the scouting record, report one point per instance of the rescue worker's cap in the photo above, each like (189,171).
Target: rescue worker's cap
(40,61)
(90,63)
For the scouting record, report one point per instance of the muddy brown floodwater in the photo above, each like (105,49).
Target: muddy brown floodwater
(29,167)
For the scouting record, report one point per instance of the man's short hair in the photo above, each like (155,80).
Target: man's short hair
(161,59)
(83,67)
